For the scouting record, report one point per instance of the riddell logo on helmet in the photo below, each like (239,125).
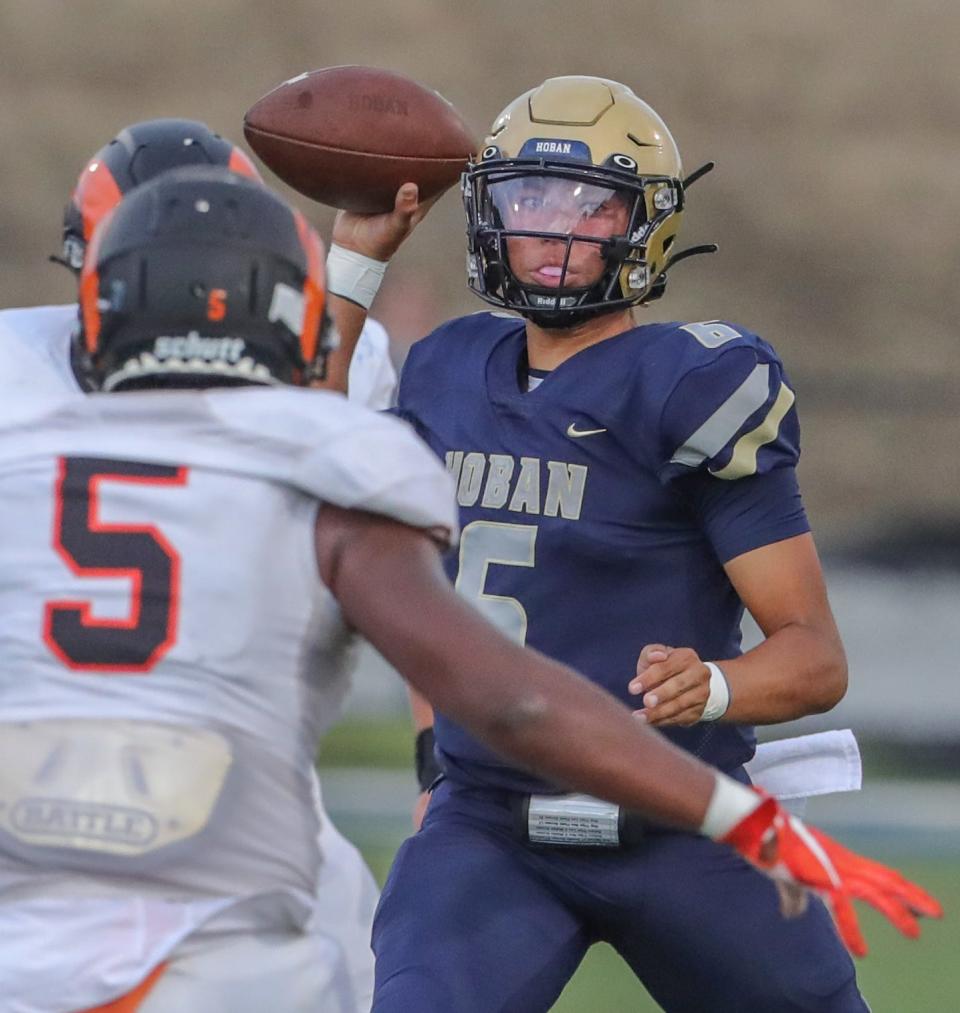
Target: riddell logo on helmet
(194,346)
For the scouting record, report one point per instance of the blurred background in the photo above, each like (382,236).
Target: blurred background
(835,204)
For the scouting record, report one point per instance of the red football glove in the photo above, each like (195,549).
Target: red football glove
(789,851)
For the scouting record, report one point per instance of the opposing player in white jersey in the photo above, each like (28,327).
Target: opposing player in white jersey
(36,355)
(35,340)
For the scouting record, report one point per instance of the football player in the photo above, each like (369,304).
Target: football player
(36,339)
(182,572)
(35,355)
(625,491)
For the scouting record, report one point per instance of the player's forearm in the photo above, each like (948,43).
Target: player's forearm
(427,768)
(420,710)
(361,248)
(544,717)
(798,670)
(349,319)
(531,709)
(575,734)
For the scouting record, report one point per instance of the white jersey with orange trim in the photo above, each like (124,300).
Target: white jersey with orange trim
(168,655)
(35,356)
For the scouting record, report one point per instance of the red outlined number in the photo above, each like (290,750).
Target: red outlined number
(93,548)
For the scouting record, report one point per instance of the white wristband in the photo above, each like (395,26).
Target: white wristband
(730,803)
(719,699)
(353,276)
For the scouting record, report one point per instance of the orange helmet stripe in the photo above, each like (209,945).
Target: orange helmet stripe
(89,294)
(241,164)
(95,195)
(314,287)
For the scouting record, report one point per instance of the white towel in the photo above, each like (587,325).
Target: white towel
(794,770)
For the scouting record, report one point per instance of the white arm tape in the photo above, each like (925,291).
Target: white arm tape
(353,276)
(730,803)
(719,699)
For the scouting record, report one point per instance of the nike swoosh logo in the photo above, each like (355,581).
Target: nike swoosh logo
(575,433)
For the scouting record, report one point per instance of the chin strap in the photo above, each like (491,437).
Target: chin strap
(553,321)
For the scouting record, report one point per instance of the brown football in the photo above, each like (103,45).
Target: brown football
(349,136)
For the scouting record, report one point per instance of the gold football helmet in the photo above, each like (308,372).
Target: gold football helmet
(555,159)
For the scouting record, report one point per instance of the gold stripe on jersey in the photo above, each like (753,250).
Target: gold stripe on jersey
(743,462)
(725,422)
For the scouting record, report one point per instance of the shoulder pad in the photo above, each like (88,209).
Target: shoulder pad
(339,452)
(702,341)
(39,323)
(35,349)
(731,410)
(444,350)
(715,333)
(482,326)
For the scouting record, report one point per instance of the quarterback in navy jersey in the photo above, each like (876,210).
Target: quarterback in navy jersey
(598,508)
(625,493)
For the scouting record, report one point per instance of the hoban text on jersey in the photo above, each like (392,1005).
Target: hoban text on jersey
(501,481)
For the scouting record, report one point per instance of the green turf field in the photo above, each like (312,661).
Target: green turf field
(898,976)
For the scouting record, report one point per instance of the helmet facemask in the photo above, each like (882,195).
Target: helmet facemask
(584,231)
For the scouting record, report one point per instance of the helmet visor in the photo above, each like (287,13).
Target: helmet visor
(560,206)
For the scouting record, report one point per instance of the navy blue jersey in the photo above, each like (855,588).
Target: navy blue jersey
(599,508)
